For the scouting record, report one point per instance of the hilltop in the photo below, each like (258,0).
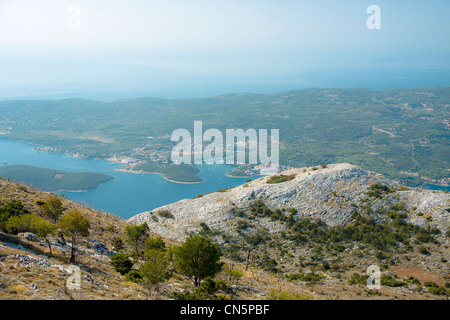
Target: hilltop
(323,227)
(331,194)
(307,233)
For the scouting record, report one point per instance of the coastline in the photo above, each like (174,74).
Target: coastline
(425,182)
(141,172)
(237,177)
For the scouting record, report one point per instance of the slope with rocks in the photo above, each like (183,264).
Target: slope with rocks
(329,193)
(29,272)
(321,228)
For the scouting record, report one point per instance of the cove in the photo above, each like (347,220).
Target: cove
(128,194)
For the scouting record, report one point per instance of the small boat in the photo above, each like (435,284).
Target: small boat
(4,162)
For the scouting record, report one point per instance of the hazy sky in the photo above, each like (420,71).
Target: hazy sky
(146,40)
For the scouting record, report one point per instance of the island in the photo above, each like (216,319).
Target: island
(54,180)
(182,173)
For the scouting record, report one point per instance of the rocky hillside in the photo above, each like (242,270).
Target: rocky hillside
(29,272)
(330,193)
(307,233)
(321,228)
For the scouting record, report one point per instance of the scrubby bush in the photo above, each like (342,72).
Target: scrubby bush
(207,291)
(13,208)
(166,214)
(377,190)
(121,263)
(285,295)
(133,276)
(198,258)
(280,178)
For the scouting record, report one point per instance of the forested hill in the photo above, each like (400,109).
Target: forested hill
(54,180)
(402,133)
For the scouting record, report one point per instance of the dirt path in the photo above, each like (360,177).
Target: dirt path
(389,133)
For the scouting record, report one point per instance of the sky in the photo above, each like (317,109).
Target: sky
(175,48)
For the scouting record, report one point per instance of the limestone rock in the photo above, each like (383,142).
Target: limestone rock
(329,193)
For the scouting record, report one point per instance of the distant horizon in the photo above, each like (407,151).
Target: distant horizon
(189,49)
(69,97)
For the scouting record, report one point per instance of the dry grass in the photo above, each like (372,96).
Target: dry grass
(100,281)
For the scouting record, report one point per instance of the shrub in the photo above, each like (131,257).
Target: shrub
(155,244)
(441,291)
(76,225)
(284,295)
(121,263)
(117,244)
(423,250)
(52,208)
(377,190)
(206,231)
(207,291)
(156,268)
(356,278)
(242,224)
(240,213)
(280,178)
(166,214)
(387,280)
(13,208)
(136,235)
(198,258)
(133,276)
(18,224)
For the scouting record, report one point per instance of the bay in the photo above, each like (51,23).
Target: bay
(437,187)
(128,194)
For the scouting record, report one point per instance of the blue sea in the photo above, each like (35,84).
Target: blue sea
(128,194)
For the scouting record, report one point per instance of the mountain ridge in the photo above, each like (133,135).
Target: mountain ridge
(328,193)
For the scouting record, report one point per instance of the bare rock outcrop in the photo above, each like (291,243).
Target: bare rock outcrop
(329,193)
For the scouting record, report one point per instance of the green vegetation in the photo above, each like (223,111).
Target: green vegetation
(146,167)
(133,276)
(436,289)
(121,263)
(377,190)
(242,171)
(357,278)
(198,258)
(14,218)
(181,173)
(206,231)
(178,173)
(393,132)
(309,277)
(283,295)
(117,244)
(13,208)
(165,214)
(280,178)
(44,229)
(206,291)
(136,236)
(156,268)
(387,235)
(54,180)
(52,209)
(75,225)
